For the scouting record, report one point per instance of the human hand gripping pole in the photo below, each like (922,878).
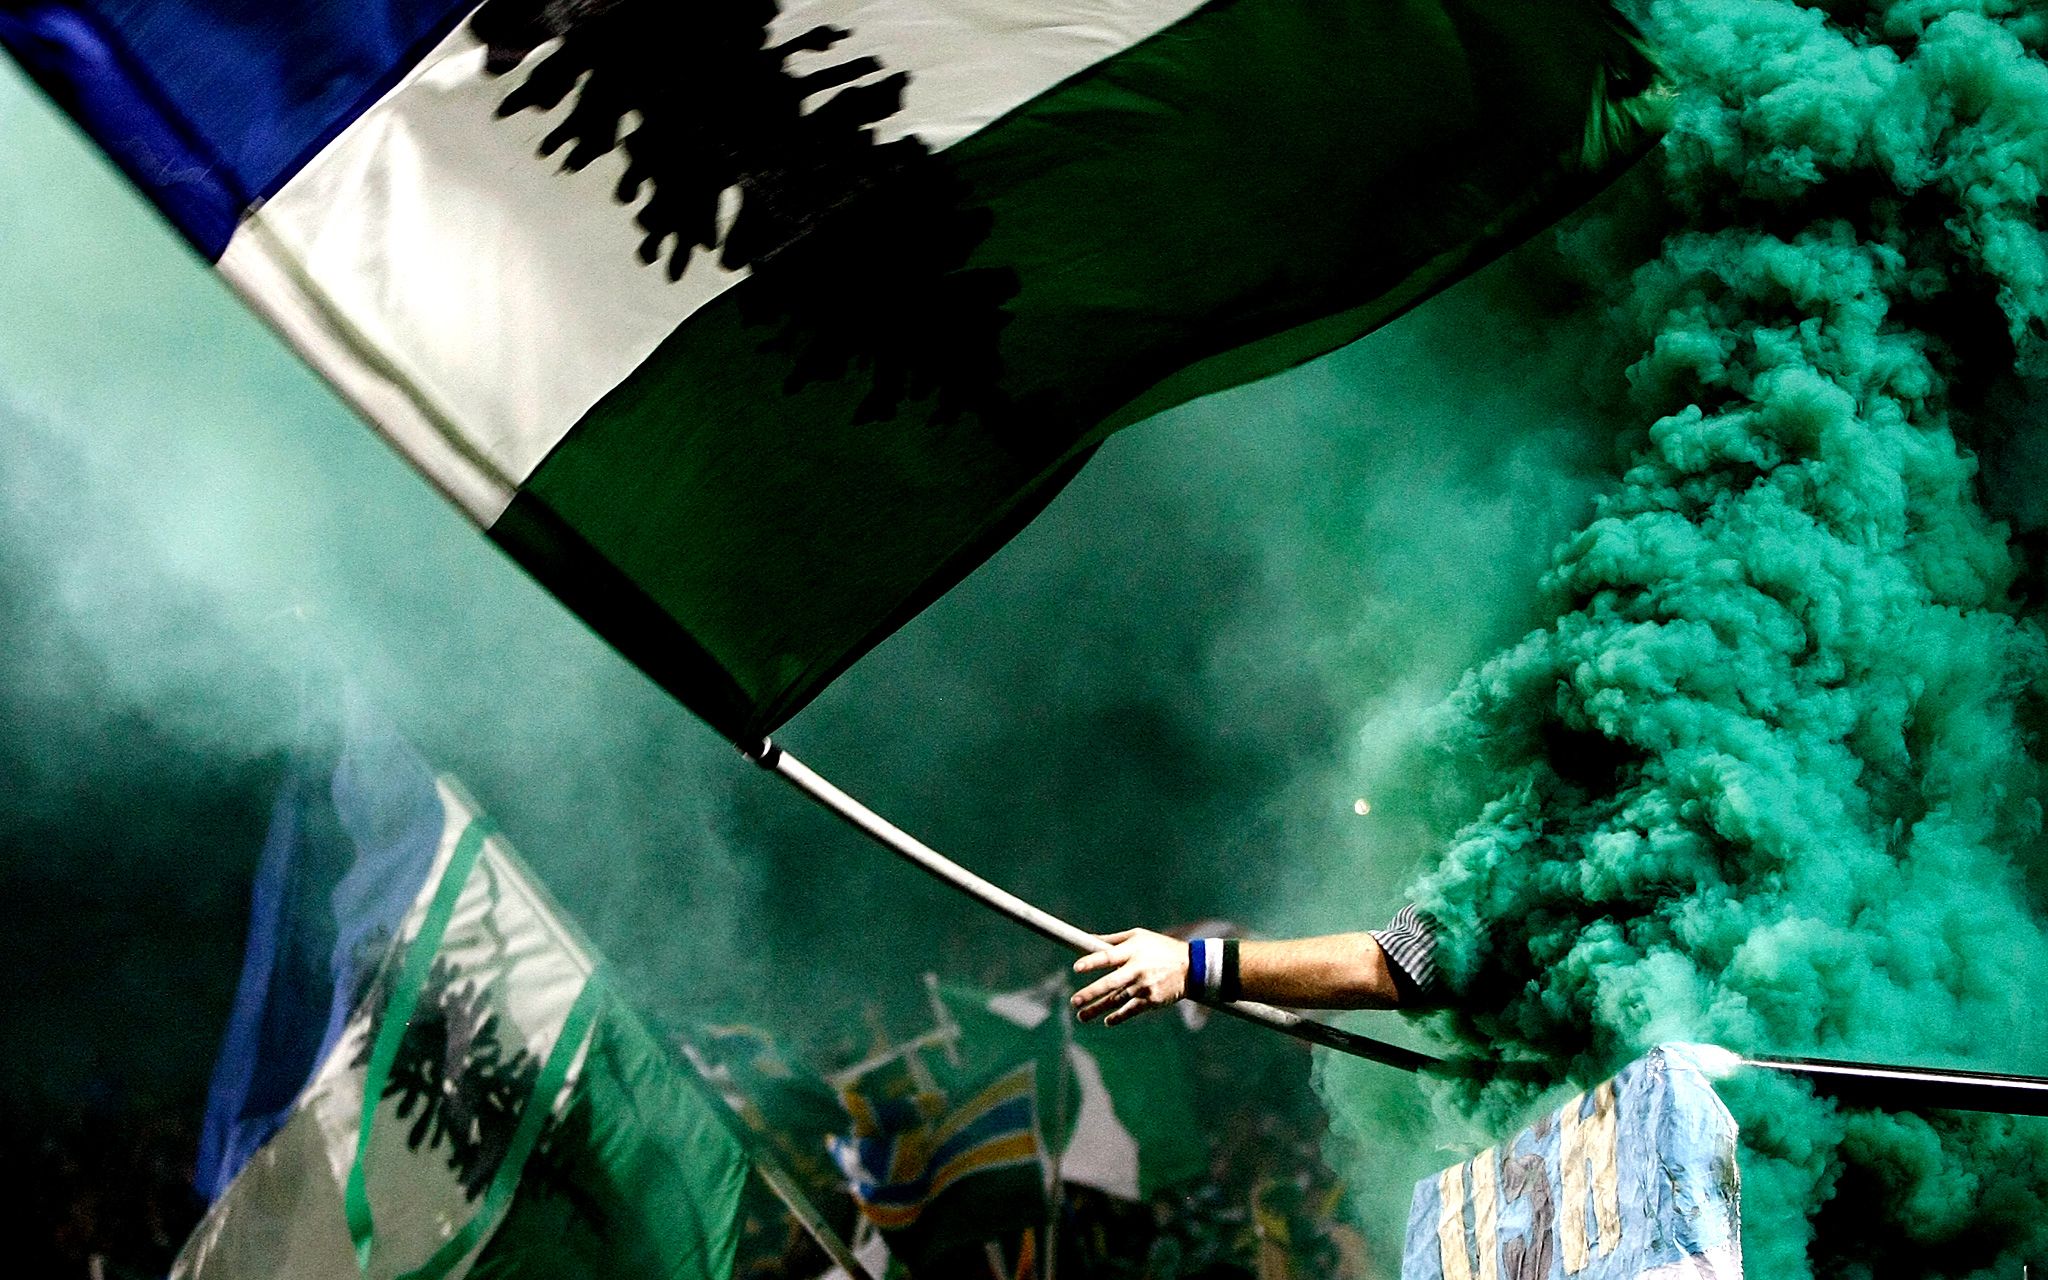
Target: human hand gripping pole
(1147,971)
(774,759)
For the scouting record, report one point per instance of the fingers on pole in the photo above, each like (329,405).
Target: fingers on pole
(1105,993)
(1102,959)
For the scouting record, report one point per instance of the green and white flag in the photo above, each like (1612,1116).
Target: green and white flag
(750,328)
(1121,1117)
(491,1109)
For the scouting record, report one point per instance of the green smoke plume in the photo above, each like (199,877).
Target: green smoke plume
(1771,775)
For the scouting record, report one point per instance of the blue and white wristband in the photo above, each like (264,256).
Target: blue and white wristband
(1205,966)
(1212,969)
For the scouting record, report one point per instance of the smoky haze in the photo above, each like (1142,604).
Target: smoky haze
(1146,709)
(1647,586)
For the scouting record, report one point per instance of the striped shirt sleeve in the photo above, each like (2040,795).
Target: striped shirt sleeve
(1409,941)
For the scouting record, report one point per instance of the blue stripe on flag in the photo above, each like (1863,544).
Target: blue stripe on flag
(92,77)
(209,105)
(348,852)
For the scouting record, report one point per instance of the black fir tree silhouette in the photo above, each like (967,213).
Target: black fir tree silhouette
(452,1076)
(458,1086)
(858,247)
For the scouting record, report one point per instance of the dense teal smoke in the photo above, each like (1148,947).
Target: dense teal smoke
(1770,777)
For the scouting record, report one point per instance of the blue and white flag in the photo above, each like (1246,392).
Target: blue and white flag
(350,845)
(1635,1180)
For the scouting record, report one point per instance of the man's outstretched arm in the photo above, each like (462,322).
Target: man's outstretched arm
(1146,970)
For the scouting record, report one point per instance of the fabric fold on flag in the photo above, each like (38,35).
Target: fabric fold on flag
(1636,1179)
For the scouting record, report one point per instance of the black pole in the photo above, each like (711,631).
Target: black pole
(1889,1088)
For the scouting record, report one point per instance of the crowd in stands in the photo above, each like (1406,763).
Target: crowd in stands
(104,1191)
(1269,1206)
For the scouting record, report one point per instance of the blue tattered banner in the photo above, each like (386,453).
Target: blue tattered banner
(1634,1180)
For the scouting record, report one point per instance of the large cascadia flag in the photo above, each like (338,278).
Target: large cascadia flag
(749,327)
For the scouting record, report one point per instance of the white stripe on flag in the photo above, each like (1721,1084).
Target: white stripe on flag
(970,61)
(473,302)
(1102,1153)
(446,277)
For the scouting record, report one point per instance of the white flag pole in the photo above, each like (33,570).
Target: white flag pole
(899,842)
(1889,1088)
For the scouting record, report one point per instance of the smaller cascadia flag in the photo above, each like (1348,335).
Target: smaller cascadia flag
(1635,1180)
(937,1181)
(487,1107)
(750,327)
(353,836)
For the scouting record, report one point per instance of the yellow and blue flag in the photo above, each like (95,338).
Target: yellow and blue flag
(936,1178)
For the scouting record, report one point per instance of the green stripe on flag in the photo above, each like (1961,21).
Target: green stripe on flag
(398,1011)
(641,1177)
(532,1118)
(1255,185)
